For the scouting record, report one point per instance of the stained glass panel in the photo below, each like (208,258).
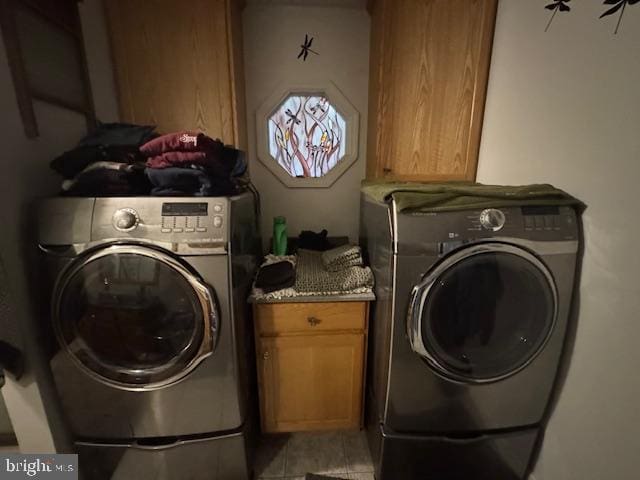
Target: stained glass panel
(307,136)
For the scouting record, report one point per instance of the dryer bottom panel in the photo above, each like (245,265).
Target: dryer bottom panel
(212,458)
(503,456)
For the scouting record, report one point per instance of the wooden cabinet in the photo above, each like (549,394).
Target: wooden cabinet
(178,65)
(311,363)
(428,77)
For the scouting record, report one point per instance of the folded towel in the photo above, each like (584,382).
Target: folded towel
(313,278)
(447,197)
(342,257)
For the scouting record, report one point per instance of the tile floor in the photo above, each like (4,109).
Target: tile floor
(339,454)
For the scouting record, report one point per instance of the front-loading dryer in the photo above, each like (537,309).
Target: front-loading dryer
(468,329)
(152,343)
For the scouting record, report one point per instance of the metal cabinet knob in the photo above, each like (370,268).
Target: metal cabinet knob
(313,321)
(265,356)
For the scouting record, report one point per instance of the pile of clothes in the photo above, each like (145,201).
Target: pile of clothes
(107,162)
(120,159)
(186,163)
(337,271)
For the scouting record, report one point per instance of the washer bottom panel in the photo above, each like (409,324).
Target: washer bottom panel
(213,458)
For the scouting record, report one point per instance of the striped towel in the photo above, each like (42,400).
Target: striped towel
(342,257)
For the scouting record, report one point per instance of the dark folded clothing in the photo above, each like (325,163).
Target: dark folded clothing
(119,134)
(187,181)
(72,162)
(182,142)
(239,163)
(309,240)
(101,182)
(276,276)
(177,159)
(224,164)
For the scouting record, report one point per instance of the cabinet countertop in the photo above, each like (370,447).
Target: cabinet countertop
(347,297)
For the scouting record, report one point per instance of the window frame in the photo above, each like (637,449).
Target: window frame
(341,105)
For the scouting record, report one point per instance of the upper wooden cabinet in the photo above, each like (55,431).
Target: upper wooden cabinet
(428,78)
(178,65)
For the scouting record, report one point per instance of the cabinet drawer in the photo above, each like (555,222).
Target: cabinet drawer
(279,318)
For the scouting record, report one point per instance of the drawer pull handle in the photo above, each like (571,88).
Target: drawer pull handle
(313,321)
(265,355)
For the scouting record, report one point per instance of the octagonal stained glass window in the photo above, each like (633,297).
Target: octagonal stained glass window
(307,136)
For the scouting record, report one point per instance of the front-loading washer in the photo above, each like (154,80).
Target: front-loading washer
(151,356)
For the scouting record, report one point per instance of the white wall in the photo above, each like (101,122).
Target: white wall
(25,177)
(272,35)
(564,107)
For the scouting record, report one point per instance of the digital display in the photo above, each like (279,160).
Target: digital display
(541,210)
(176,209)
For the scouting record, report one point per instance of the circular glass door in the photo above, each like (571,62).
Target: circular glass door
(484,313)
(134,317)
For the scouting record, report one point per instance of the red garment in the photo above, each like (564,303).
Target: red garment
(177,159)
(181,142)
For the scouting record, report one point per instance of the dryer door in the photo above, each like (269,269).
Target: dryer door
(483,313)
(134,317)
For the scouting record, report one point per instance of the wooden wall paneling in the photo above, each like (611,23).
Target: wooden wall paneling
(174,66)
(429,72)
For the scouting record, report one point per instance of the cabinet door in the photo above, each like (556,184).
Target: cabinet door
(428,76)
(311,382)
(178,65)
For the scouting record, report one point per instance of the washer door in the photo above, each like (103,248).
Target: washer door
(134,317)
(483,313)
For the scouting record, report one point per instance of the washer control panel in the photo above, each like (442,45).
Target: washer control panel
(192,217)
(168,220)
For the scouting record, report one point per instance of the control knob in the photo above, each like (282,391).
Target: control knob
(125,219)
(492,219)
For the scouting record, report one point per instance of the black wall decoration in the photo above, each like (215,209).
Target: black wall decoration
(618,5)
(306,48)
(556,6)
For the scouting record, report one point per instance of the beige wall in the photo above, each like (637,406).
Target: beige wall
(25,177)
(272,35)
(564,107)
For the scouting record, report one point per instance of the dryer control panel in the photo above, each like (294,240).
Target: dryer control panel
(416,231)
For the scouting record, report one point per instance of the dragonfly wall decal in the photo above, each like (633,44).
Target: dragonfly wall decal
(306,48)
(613,6)
(557,5)
(617,5)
